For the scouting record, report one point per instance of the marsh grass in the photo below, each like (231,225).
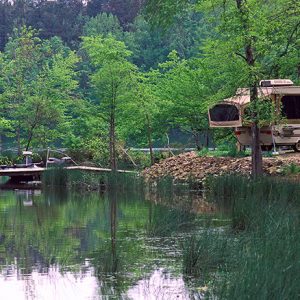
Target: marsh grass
(55,177)
(249,202)
(87,181)
(258,256)
(267,263)
(205,252)
(165,222)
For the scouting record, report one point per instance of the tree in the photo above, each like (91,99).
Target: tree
(95,7)
(151,45)
(141,115)
(5,22)
(246,31)
(112,79)
(186,87)
(86,136)
(45,112)
(103,24)
(37,86)
(63,18)
(125,10)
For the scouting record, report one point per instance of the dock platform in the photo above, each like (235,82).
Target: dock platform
(35,172)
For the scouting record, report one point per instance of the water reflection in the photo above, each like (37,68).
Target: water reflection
(160,286)
(50,285)
(64,244)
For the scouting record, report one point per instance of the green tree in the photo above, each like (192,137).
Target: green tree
(103,24)
(45,112)
(141,115)
(185,87)
(112,80)
(38,85)
(86,137)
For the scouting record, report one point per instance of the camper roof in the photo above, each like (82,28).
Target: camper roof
(276,82)
(242,95)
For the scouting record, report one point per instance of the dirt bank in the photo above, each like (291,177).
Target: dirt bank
(190,166)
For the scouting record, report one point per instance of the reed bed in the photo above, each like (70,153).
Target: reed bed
(258,255)
(88,181)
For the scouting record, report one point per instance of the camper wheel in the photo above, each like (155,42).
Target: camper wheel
(297,146)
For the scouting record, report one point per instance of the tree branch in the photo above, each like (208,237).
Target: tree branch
(289,41)
(241,55)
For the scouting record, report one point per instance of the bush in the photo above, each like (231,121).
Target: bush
(291,169)
(5,161)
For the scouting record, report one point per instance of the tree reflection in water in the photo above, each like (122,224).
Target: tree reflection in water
(65,241)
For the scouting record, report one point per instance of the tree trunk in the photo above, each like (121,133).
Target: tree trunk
(19,141)
(196,135)
(29,140)
(112,141)
(206,145)
(256,154)
(249,57)
(149,136)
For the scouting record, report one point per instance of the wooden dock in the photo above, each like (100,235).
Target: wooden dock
(35,172)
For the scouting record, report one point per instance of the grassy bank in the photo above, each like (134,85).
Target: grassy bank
(258,255)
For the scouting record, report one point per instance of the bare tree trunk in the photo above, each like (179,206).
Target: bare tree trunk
(19,141)
(206,145)
(149,136)
(196,135)
(256,154)
(29,139)
(112,141)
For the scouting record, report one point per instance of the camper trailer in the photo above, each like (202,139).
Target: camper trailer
(286,97)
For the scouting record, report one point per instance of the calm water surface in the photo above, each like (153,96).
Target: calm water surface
(71,245)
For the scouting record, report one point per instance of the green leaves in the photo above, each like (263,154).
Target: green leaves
(112,79)
(103,24)
(105,50)
(38,83)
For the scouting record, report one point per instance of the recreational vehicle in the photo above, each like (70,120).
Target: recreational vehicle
(286,97)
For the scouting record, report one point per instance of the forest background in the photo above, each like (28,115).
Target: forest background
(97,77)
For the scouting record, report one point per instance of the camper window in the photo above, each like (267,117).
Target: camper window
(224,112)
(291,106)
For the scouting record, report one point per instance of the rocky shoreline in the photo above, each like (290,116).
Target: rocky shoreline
(190,166)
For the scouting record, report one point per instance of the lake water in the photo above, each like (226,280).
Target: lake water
(72,245)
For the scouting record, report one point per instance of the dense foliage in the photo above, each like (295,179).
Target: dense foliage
(87,75)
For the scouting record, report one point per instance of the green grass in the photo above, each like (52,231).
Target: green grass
(224,151)
(291,169)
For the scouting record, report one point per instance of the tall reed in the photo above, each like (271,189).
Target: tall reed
(258,256)
(83,180)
